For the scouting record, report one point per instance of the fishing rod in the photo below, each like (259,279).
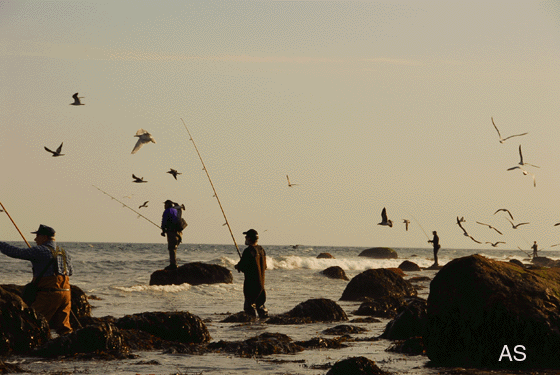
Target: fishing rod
(417,222)
(124,205)
(211,184)
(13,222)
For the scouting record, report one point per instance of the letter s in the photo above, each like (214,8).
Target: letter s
(519,352)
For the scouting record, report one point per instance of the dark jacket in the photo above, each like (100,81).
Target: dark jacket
(253,265)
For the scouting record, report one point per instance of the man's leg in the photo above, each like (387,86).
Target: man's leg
(172,244)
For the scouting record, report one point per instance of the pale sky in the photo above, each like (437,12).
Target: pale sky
(363,104)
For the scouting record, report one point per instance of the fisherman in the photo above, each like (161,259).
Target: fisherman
(253,265)
(54,297)
(171,226)
(534,247)
(435,242)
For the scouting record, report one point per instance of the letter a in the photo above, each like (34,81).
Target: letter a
(506,350)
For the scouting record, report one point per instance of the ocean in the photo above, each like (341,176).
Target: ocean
(118,275)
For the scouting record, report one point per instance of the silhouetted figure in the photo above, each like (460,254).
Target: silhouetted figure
(534,247)
(435,242)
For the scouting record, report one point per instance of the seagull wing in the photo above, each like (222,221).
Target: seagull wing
(52,152)
(384,215)
(520,156)
(495,127)
(474,239)
(59,149)
(516,135)
(138,146)
(140,132)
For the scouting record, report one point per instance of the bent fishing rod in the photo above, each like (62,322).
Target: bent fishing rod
(214,189)
(417,222)
(124,205)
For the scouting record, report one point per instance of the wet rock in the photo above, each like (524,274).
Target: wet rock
(322,343)
(409,266)
(398,271)
(518,262)
(325,256)
(356,366)
(410,320)
(383,307)
(344,329)
(240,317)
(264,344)
(411,346)
(8,368)
(377,283)
(21,328)
(477,306)
(379,253)
(311,311)
(545,262)
(182,327)
(193,273)
(335,272)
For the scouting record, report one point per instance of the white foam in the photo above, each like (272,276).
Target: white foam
(154,288)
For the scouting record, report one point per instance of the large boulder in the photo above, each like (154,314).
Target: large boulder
(407,265)
(409,322)
(355,366)
(379,253)
(195,273)
(311,311)
(377,283)
(325,256)
(21,328)
(335,272)
(481,311)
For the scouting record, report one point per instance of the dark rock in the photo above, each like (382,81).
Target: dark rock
(383,307)
(410,321)
(356,366)
(377,283)
(416,279)
(379,253)
(325,256)
(369,319)
(264,344)
(344,329)
(411,346)
(311,311)
(21,328)
(193,273)
(8,368)
(240,317)
(477,306)
(398,271)
(518,262)
(335,272)
(544,262)
(409,266)
(172,326)
(322,343)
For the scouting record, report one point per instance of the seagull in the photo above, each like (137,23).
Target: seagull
(502,140)
(555,245)
(556,224)
(514,226)
(406,222)
(57,152)
(77,99)
(521,163)
(289,183)
(462,219)
(128,196)
(173,172)
(495,244)
(506,210)
(460,226)
(489,226)
(143,138)
(384,220)
(144,205)
(138,179)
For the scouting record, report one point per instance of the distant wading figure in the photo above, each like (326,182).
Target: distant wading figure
(171,226)
(435,242)
(534,247)
(54,297)
(253,265)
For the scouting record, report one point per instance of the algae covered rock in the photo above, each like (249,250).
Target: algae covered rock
(377,283)
(379,253)
(195,273)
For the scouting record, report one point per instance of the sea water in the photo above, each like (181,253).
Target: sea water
(118,274)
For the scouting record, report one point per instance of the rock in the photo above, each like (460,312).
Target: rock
(356,366)
(325,256)
(240,317)
(518,262)
(379,253)
(409,266)
(477,306)
(410,321)
(344,329)
(311,311)
(398,271)
(377,283)
(335,272)
(182,327)
(264,344)
(8,368)
(21,328)
(383,307)
(322,343)
(193,273)
(544,262)
(411,346)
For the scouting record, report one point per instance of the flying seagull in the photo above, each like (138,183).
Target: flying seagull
(143,138)
(77,99)
(459,221)
(138,179)
(173,172)
(289,183)
(556,224)
(384,220)
(57,152)
(144,205)
(495,244)
(514,226)
(489,226)
(521,163)
(502,140)
(406,222)
(506,210)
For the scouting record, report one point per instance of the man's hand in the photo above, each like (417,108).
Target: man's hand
(163,234)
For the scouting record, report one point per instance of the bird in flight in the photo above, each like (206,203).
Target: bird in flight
(514,226)
(173,172)
(459,221)
(406,222)
(556,224)
(495,244)
(489,226)
(138,179)
(502,140)
(505,210)
(144,205)
(521,163)
(143,138)
(384,220)
(289,183)
(77,99)
(57,152)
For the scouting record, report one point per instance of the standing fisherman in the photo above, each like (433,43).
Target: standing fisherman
(535,247)
(54,264)
(253,265)
(435,242)
(171,226)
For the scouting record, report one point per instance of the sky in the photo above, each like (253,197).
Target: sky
(363,104)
